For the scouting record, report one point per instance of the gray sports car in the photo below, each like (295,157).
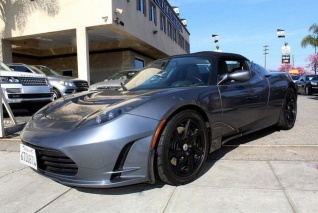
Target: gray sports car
(160,125)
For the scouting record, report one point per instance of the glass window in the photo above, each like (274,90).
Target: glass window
(169,29)
(139,64)
(141,6)
(162,23)
(152,13)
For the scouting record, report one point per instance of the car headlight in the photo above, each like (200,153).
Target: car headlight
(313,83)
(9,80)
(66,83)
(92,88)
(111,113)
(104,116)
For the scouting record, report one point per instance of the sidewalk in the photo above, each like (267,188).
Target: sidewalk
(224,186)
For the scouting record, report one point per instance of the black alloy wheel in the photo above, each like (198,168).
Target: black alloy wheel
(289,110)
(182,148)
(308,90)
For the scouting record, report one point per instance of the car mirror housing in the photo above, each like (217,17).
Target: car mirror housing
(239,75)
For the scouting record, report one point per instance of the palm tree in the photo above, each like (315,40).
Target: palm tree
(311,40)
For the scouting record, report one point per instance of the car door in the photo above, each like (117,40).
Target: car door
(301,83)
(243,102)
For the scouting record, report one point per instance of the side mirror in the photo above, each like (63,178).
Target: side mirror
(239,75)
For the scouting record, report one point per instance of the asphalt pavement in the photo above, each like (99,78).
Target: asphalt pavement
(268,171)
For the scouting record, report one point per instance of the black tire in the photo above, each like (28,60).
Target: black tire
(182,149)
(289,110)
(308,90)
(56,94)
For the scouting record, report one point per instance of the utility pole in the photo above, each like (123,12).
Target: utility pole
(265,53)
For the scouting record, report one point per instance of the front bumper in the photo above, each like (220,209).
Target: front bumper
(15,93)
(110,155)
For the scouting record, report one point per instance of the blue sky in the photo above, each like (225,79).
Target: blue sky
(245,26)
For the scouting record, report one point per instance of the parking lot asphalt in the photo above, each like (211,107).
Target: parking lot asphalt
(268,171)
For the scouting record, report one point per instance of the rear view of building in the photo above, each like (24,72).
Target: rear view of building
(92,39)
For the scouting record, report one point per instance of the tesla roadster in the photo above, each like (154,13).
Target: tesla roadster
(160,125)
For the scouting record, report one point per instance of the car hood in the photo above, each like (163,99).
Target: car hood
(108,83)
(73,110)
(61,78)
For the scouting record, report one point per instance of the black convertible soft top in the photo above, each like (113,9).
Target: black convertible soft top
(216,55)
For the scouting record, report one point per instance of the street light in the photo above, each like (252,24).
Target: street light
(216,40)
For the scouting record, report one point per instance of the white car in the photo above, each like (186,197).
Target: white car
(115,81)
(26,90)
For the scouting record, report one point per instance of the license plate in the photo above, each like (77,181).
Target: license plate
(28,156)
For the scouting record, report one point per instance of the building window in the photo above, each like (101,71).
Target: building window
(174,34)
(141,6)
(152,13)
(163,23)
(139,64)
(169,29)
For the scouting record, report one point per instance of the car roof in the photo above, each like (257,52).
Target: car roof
(216,55)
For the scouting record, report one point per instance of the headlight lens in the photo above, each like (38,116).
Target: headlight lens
(9,80)
(92,88)
(104,117)
(313,83)
(66,83)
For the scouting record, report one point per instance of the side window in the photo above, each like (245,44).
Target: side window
(228,66)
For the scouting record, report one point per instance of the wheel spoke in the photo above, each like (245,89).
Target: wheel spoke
(181,164)
(186,131)
(191,165)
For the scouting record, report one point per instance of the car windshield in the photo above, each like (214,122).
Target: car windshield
(45,70)
(295,77)
(123,75)
(172,72)
(312,77)
(4,67)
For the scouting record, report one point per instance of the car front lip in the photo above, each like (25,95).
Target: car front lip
(97,151)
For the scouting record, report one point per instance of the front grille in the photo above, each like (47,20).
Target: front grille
(30,96)
(29,81)
(81,85)
(54,161)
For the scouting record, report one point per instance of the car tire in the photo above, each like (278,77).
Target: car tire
(289,110)
(56,94)
(308,91)
(182,149)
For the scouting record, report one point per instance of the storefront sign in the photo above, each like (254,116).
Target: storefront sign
(170,14)
(285,58)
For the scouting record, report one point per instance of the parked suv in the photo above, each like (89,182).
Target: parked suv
(62,85)
(27,90)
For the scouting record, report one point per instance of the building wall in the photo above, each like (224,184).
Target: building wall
(49,16)
(26,19)
(102,64)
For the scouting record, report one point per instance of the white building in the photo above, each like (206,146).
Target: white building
(91,38)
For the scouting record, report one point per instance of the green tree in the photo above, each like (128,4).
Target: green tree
(312,40)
